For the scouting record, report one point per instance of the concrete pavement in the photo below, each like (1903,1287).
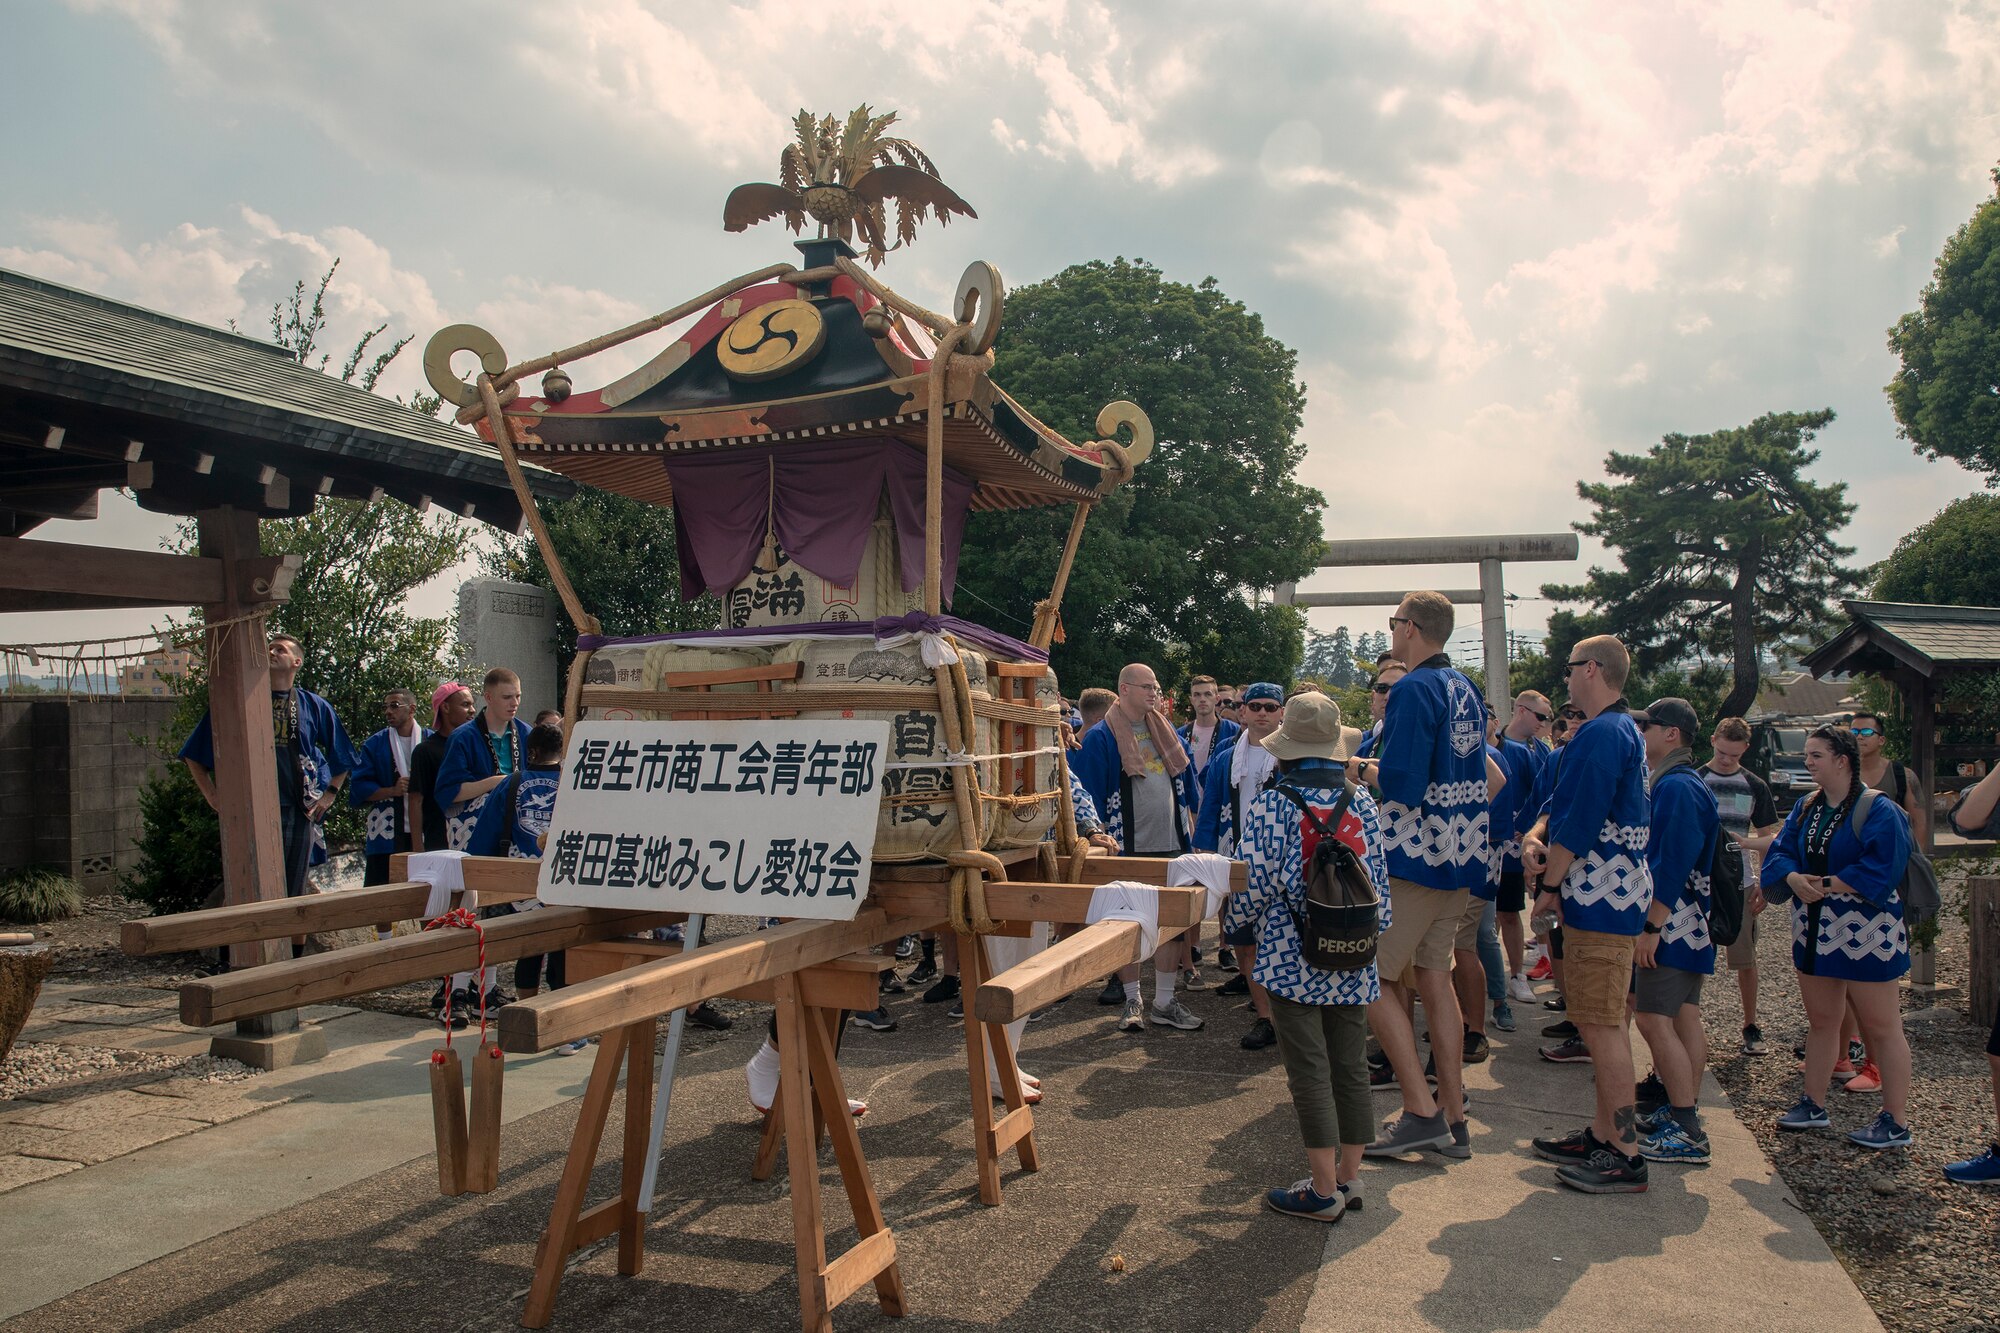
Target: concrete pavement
(1156,1149)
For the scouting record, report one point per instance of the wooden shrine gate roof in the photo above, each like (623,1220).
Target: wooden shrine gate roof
(96,393)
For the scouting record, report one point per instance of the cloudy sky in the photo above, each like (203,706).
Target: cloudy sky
(1504,238)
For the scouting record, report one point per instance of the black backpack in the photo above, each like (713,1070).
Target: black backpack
(1340,921)
(1725,879)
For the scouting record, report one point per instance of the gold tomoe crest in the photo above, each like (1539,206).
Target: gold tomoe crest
(770,340)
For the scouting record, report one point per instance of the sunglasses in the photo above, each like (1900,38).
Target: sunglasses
(1572,666)
(1572,714)
(1644,725)
(1225,703)
(1263,706)
(1381,689)
(1539,717)
(1399,620)
(1864,731)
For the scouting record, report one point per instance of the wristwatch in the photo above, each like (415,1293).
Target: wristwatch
(1652,929)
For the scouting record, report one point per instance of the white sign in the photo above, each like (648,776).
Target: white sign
(764,818)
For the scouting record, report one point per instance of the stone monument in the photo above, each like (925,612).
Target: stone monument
(513,625)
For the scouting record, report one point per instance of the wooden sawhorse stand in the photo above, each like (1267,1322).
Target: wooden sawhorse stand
(810,1005)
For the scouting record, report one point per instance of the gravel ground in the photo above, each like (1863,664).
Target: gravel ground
(35,1066)
(1921,1249)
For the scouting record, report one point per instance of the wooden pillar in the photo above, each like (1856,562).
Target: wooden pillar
(246,780)
(1922,700)
(1923,747)
(1983,895)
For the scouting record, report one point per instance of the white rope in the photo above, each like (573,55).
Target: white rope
(956,759)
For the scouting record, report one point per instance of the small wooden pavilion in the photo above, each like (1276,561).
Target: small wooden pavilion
(1917,648)
(228,430)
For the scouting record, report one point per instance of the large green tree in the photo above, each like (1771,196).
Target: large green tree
(1953,560)
(619,554)
(1726,547)
(1946,396)
(1168,559)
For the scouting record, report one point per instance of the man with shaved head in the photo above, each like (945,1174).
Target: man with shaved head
(1139,775)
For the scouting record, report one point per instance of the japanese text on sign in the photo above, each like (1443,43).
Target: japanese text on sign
(763,818)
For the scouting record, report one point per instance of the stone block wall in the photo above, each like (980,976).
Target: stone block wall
(70,773)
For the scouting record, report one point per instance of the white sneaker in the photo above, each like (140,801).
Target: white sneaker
(1133,1019)
(1519,989)
(1176,1015)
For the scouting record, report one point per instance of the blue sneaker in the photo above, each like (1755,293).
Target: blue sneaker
(1300,1199)
(1503,1016)
(1672,1143)
(1884,1133)
(1805,1114)
(1981,1170)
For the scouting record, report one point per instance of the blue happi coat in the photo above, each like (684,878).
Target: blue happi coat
(516,814)
(376,770)
(1599,811)
(1860,938)
(324,750)
(1433,778)
(1225,736)
(468,758)
(1680,848)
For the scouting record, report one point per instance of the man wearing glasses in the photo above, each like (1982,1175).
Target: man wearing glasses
(1885,775)
(1431,767)
(1387,673)
(1589,856)
(1138,773)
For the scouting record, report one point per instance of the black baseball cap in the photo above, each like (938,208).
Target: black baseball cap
(1671,712)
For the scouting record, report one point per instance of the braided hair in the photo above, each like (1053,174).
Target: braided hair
(1845,748)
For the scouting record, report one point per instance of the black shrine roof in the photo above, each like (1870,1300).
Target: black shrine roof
(96,393)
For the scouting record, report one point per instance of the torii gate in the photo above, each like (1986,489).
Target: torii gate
(1489,553)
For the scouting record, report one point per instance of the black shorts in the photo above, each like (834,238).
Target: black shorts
(1245,936)
(1513,895)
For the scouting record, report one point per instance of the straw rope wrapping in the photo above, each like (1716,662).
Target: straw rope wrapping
(76,659)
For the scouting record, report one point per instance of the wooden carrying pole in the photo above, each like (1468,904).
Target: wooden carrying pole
(934,471)
(319,978)
(347,909)
(503,436)
(605,342)
(1049,611)
(555,1017)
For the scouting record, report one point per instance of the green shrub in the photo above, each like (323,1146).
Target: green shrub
(39,893)
(180,847)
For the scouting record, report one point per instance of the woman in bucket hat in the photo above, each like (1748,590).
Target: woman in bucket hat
(1320,1015)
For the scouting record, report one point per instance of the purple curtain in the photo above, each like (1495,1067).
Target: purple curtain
(916,622)
(826,499)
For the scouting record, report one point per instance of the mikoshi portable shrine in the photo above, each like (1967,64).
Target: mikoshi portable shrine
(821,440)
